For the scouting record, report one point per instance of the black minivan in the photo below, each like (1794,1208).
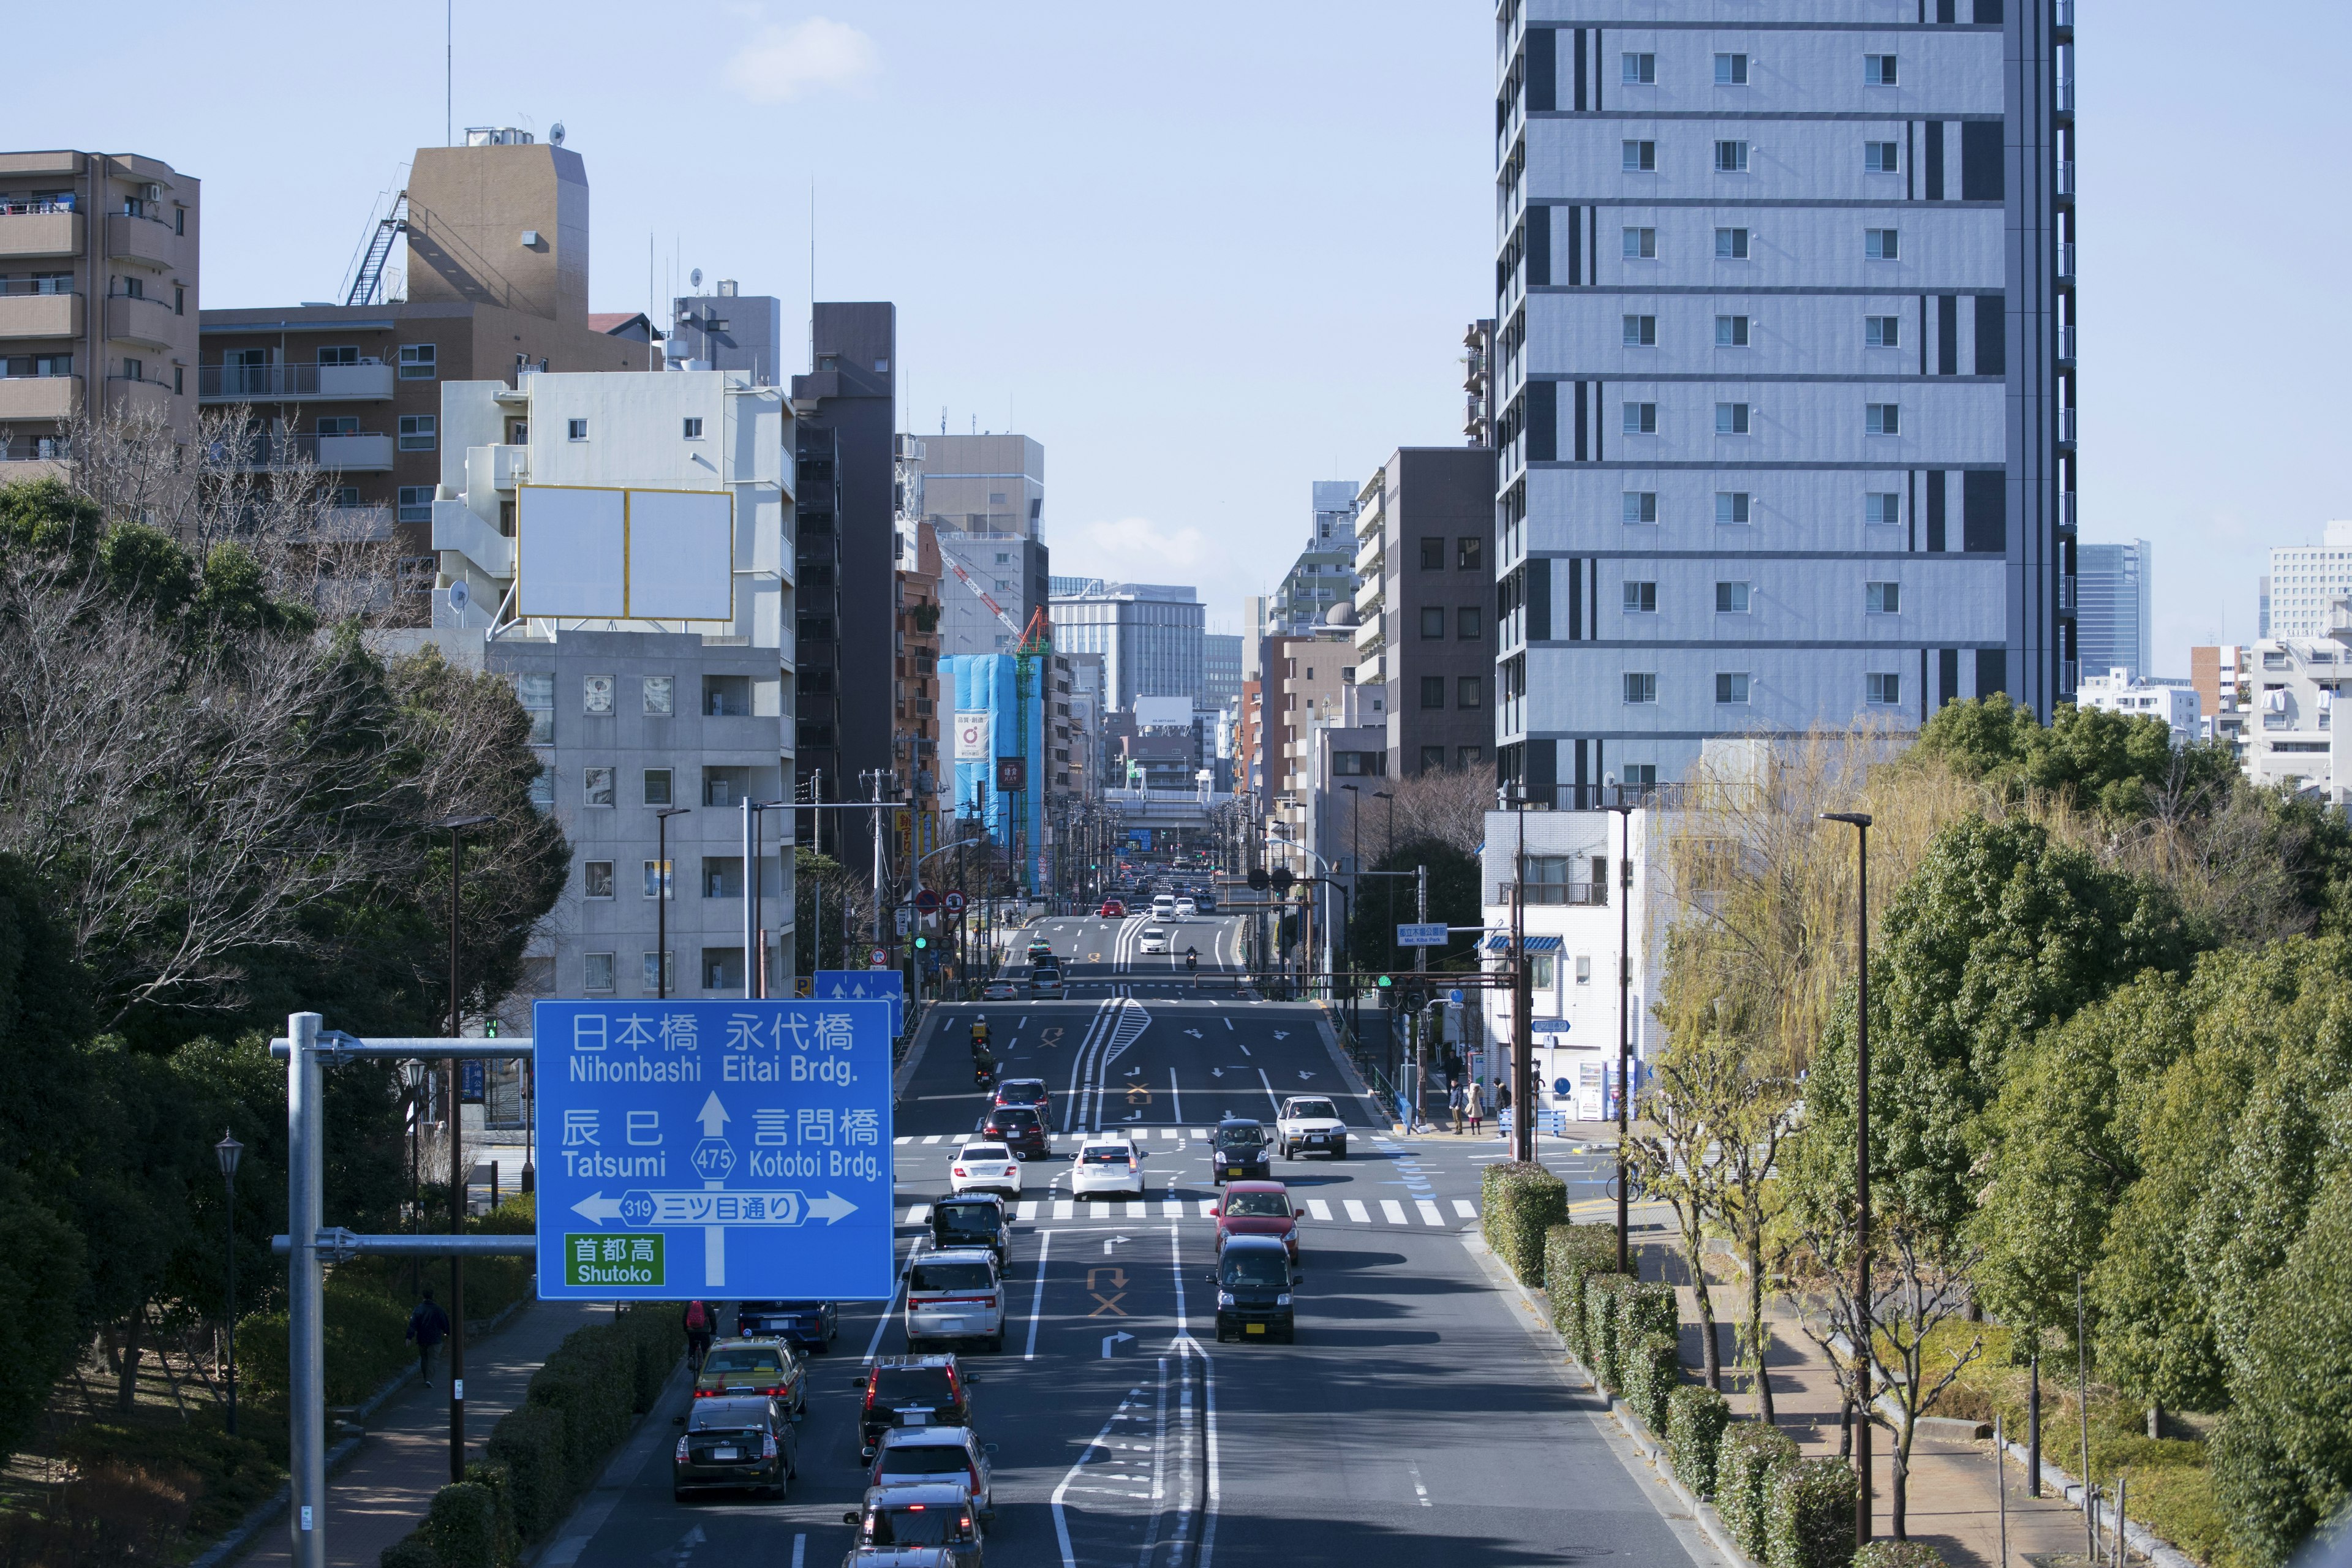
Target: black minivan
(1254,1280)
(1240,1154)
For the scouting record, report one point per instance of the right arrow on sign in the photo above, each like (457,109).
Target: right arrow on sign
(831,1207)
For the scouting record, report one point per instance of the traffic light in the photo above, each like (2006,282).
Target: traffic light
(921,942)
(1257,879)
(1385,981)
(1282,879)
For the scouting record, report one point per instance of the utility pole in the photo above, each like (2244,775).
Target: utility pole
(1421,911)
(1523,1117)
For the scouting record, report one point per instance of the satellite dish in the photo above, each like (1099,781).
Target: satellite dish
(555,133)
(459,596)
(694,277)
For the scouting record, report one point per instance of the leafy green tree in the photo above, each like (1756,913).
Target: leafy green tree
(1453,894)
(2123,765)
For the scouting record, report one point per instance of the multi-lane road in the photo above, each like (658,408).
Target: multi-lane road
(1416,1415)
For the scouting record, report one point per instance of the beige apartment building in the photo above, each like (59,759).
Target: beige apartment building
(98,295)
(497,239)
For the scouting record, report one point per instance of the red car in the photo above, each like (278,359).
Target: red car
(1113,910)
(1258,1208)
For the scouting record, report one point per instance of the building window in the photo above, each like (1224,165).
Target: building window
(1731,419)
(1881,157)
(1881,244)
(597,694)
(1470,554)
(416,503)
(1731,157)
(1881,419)
(694,429)
(1470,692)
(1641,598)
(1641,419)
(1640,688)
(1432,759)
(1468,757)
(542,787)
(1641,331)
(657,790)
(339,425)
(1731,598)
(1882,507)
(723,876)
(1878,70)
(658,971)
(1731,331)
(1432,621)
(659,692)
(1469,623)
(1731,506)
(536,694)
(1882,598)
(1883,688)
(1584,969)
(1641,506)
(340,353)
(1731,686)
(1433,692)
(595,787)
(419,432)
(1641,243)
(596,972)
(419,362)
(1433,554)
(657,878)
(1731,70)
(1882,332)
(1640,157)
(722,969)
(1731,245)
(575,429)
(179,381)
(1640,70)
(134,369)
(595,879)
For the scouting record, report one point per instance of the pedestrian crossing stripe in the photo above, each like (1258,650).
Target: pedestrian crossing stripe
(1392,1212)
(1356,1211)
(1317,1209)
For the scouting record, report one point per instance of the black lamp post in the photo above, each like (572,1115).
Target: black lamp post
(1355,862)
(661,898)
(456,826)
(1624,810)
(1860,821)
(227,1151)
(412,1077)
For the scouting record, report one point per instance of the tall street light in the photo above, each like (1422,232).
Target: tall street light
(1388,848)
(661,898)
(227,1151)
(456,826)
(755,959)
(1355,857)
(1865,1318)
(1624,810)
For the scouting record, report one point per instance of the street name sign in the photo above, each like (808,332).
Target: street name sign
(736,1148)
(865,984)
(1430,935)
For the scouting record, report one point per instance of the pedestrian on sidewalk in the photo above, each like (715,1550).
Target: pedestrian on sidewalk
(1470,1104)
(697,1334)
(1453,1104)
(427,1327)
(1502,1104)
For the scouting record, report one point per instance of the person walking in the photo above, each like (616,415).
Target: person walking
(1470,1104)
(1453,1104)
(698,1335)
(427,1327)
(1502,1107)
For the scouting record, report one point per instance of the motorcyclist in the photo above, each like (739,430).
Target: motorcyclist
(980,1035)
(1192,958)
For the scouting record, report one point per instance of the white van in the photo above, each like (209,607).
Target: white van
(955,1294)
(1163,906)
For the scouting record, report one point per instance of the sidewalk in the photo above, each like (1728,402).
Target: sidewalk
(383,1492)
(1954,1505)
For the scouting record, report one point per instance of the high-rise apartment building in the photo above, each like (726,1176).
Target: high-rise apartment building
(1325,573)
(2304,580)
(1148,632)
(2113,608)
(1785,358)
(729,329)
(1425,609)
(97,295)
(984,496)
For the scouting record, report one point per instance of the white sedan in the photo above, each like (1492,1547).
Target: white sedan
(1107,1165)
(984,1168)
(1186,907)
(1154,940)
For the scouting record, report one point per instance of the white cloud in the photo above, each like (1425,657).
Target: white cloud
(783,63)
(1133,549)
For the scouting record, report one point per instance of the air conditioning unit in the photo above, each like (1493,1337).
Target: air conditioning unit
(151,193)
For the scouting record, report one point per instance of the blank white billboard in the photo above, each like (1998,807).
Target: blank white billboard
(681,556)
(571,552)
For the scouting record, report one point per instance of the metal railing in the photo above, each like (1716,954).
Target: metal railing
(1588,895)
(2066,261)
(2062,98)
(2065,345)
(28,209)
(17,288)
(2066,427)
(2067,176)
(265,380)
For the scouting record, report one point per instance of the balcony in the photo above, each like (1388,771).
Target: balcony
(24,314)
(133,237)
(2066,179)
(2066,348)
(1586,895)
(355,454)
(2066,264)
(2066,595)
(355,524)
(2062,99)
(138,396)
(39,397)
(28,228)
(134,319)
(1369,554)
(370,381)
(2066,509)
(2061,20)
(2067,428)
(1372,636)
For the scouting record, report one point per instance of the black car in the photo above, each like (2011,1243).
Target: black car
(1240,1153)
(1204,903)
(912,1389)
(811,1324)
(1254,1279)
(736,1442)
(1020,1127)
(972,1219)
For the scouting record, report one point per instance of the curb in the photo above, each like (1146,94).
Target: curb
(1629,1426)
(904,1073)
(604,1495)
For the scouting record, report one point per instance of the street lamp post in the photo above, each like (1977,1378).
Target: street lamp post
(227,1151)
(456,826)
(1865,1318)
(1624,810)
(755,931)
(1388,848)
(412,1075)
(661,901)
(1355,866)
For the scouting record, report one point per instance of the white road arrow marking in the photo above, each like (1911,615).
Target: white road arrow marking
(713,1116)
(1304,1074)
(598,1209)
(1216,1072)
(1111,1340)
(1282,1034)
(1112,1242)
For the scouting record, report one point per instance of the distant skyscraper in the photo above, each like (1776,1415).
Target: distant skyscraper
(1220,669)
(2304,580)
(1148,632)
(729,329)
(2111,613)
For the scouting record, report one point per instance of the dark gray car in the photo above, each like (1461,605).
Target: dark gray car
(740,1442)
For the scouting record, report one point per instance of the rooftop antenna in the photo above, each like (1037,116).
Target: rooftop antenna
(449,73)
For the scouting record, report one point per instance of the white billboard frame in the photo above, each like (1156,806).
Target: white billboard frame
(599,570)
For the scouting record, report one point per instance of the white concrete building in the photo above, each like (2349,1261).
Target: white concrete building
(2291,737)
(2174,701)
(2305,580)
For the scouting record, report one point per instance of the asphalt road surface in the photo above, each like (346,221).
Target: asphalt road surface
(1416,1419)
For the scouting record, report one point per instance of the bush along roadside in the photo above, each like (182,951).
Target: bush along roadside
(1696,1419)
(1648,1366)
(1898,1555)
(1572,1253)
(1748,1460)
(581,1406)
(1522,1203)
(1601,1293)
(1809,1516)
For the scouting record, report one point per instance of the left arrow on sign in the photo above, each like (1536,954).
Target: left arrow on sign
(597,1208)
(713,1117)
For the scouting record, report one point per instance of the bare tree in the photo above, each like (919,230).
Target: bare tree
(1448,806)
(1681,1157)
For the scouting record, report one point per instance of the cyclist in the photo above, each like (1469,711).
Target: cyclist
(699,1331)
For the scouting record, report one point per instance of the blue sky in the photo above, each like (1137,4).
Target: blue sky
(1210,254)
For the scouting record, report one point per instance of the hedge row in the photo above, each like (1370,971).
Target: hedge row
(1573,1253)
(1522,1203)
(1652,1372)
(1748,1459)
(1696,1419)
(579,1406)
(1898,1555)
(1600,1320)
(1810,1516)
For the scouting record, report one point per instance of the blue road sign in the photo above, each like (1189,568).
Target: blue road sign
(860,985)
(1413,934)
(721,1149)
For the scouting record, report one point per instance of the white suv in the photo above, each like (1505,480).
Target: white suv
(1107,1165)
(1163,906)
(1310,1121)
(955,1294)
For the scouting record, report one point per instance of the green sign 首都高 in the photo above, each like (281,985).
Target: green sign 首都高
(613,1259)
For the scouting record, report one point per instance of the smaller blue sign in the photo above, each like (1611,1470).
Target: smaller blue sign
(1413,934)
(1455,997)
(864,985)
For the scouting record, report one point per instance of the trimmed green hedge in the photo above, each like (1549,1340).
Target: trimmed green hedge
(1809,1516)
(1522,1203)
(1572,1253)
(1601,1324)
(1747,1460)
(529,1445)
(1696,1419)
(1898,1554)
(464,1528)
(1646,1306)
(1652,1372)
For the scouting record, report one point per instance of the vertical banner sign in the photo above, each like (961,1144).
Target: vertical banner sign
(719,1148)
(972,736)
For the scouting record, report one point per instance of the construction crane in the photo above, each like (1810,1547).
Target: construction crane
(969,581)
(1029,643)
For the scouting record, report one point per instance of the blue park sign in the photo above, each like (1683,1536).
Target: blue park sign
(734,1149)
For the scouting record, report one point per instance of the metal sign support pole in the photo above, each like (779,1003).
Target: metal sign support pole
(306,1347)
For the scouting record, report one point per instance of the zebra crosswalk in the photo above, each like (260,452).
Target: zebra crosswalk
(1425,1212)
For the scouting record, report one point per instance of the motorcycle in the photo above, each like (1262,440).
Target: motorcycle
(983,1071)
(1192,962)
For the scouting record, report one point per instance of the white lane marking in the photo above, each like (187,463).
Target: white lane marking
(1462,1206)
(1429,1215)
(934,1137)
(1064,1209)
(1208,1209)
(1228,1023)
(1392,1211)
(1319,1208)
(1168,1131)
(1028,1208)
(1357,1212)
(1173,1207)
(1175,1094)
(1269,1091)
(1198,1133)
(891,1306)
(1418,1490)
(1037,1300)
(920,1215)
(1098,1209)
(1062,1524)
(909,1139)
(1241,1047)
